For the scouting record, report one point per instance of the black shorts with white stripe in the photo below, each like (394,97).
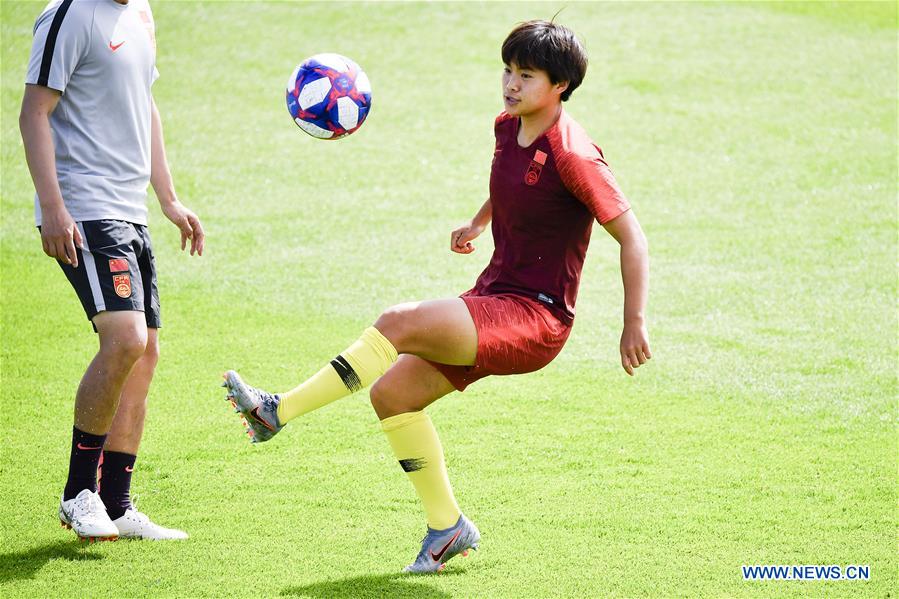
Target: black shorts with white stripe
(116,270)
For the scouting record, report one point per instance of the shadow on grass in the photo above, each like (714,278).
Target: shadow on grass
(360,587)
(24,564)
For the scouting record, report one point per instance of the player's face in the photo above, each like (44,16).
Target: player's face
(527,92)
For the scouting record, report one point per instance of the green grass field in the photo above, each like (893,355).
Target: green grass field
(758,144)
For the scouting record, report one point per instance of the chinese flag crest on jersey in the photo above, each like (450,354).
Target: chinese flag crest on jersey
(533,175)
(122,285)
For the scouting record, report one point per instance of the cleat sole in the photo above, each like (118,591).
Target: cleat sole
(92,540)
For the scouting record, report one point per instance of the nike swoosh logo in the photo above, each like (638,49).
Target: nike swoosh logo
(260,420)
(80,446)
(115,47)
(437,557)
(129,469)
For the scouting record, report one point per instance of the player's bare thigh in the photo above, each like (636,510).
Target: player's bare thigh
(410,385)
(439,330)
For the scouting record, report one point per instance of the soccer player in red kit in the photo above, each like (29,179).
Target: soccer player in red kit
(548,183)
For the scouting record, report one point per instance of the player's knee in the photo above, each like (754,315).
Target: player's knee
(126,346)
(383,399)
(132,347)
(379,396)
(398,323)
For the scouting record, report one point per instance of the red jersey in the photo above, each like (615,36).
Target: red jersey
(545,198)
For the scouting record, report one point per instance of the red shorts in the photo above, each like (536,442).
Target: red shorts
(515,335)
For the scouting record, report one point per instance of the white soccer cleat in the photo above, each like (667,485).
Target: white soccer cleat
(86,515)
(137,525)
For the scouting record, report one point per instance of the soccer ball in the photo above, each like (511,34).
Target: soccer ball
(328,96)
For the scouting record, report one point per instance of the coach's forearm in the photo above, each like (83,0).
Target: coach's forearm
(39,153)
(160,175)
(635,276)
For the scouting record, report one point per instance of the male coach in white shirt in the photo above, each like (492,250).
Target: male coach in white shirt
(93,141)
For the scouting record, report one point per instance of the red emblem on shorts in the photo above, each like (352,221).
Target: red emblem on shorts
(122,284)
(533,175)
(118,265)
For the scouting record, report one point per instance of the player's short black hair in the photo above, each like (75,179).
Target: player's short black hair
(549,47)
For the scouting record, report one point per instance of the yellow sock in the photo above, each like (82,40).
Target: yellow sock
(417,446)
(355,368)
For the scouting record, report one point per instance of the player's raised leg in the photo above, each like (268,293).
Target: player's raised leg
(399,398)
(123,339)
(439,330)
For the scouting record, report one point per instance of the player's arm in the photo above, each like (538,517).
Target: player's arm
(59,235)
(635,275)
(161,179)
(460,240)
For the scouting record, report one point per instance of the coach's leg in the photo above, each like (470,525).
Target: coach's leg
(439,330)
(399,398)
(128,425)
(123,340)
(123,440)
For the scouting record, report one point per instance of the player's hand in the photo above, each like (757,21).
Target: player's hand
(460,240)
(189,224)
(60,236)
(634,346)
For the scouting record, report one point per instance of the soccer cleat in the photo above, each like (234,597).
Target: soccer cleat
(258,408)
(137,525)
(86,515)
(439,546)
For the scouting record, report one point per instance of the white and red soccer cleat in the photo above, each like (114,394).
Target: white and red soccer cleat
(86,515)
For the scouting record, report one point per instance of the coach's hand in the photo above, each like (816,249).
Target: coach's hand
(634,346)
(60,236)
(189,224)
(460,240)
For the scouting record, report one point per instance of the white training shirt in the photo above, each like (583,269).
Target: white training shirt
(102,56)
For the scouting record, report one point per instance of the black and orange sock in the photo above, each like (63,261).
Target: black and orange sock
(115,482)
(83,461)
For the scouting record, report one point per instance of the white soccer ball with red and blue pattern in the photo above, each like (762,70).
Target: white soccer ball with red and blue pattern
(328,96)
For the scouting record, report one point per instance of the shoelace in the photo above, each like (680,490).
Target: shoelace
(88,505)
(423,554)
(266,399)
(270,405)
(140,516)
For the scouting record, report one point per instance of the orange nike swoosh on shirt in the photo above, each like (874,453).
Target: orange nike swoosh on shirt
(440,553)
(115,47)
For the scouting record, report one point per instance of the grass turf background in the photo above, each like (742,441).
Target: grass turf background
(758,145)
